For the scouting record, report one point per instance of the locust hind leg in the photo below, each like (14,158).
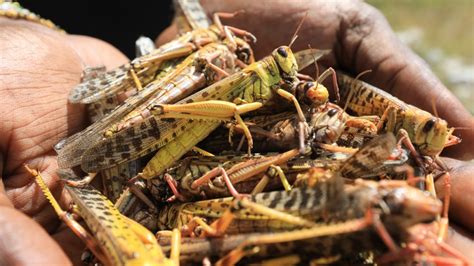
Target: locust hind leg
(210,110)
(68,219)
(218,171)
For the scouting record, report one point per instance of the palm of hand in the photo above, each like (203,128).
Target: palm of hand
(42,66)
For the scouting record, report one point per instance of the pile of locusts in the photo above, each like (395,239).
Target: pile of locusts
(214,157)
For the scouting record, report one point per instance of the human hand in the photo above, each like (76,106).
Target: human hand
(461,211)
(38,68)
(360,39)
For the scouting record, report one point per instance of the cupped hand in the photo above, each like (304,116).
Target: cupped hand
(38,68)
(360,39)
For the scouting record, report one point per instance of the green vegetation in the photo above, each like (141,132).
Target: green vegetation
(447,34)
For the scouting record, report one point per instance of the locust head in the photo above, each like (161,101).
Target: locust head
(313,93)
(432,134)
(405,206)
(286,62)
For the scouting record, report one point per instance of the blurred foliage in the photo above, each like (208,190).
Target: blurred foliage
(442,32)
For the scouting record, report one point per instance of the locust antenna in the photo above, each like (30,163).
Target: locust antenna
(295,35)
(433,106)
(351,92)
(315,64)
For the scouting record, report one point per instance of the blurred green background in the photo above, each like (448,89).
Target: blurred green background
(442,32)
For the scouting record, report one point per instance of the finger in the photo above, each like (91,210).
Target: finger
(368,42)
(462,241)
(167,35)
(27,196)
(462,192)
(95,52)
(24,242)
(70,243)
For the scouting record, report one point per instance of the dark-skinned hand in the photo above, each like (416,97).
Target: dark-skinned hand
(39,67)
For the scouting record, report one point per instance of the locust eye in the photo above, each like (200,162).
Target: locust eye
(308,85)
(429,125)
(281,51)
(332,112)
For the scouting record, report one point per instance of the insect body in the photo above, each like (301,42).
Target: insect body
(333,211)
(428,133)
(115,239)
(142,70)
(186,78)
(254,83)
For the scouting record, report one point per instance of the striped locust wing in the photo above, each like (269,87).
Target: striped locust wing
(152,133)
(189,15)
(71,149)
(369,157)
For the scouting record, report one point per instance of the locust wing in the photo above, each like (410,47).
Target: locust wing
(190,15)
(153,133)
(71,149)
(369,157)
(306,57)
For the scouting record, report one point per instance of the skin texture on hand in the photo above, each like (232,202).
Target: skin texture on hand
(38,69)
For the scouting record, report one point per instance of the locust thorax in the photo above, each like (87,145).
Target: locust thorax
(430,134)
(327,125)
(286,62)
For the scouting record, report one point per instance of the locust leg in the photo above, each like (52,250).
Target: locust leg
(202,62)
(220,225)
(318,231)
(282,176)
(444,221)
(260,186)
(202,152)
(68,219)
(217,20)
(302,126)
(285,260)
(137,191)
(211,110)
(388,118)
(83,182)
(218,171)
(405,139)
(173,186)
(274,170)
(175,246)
